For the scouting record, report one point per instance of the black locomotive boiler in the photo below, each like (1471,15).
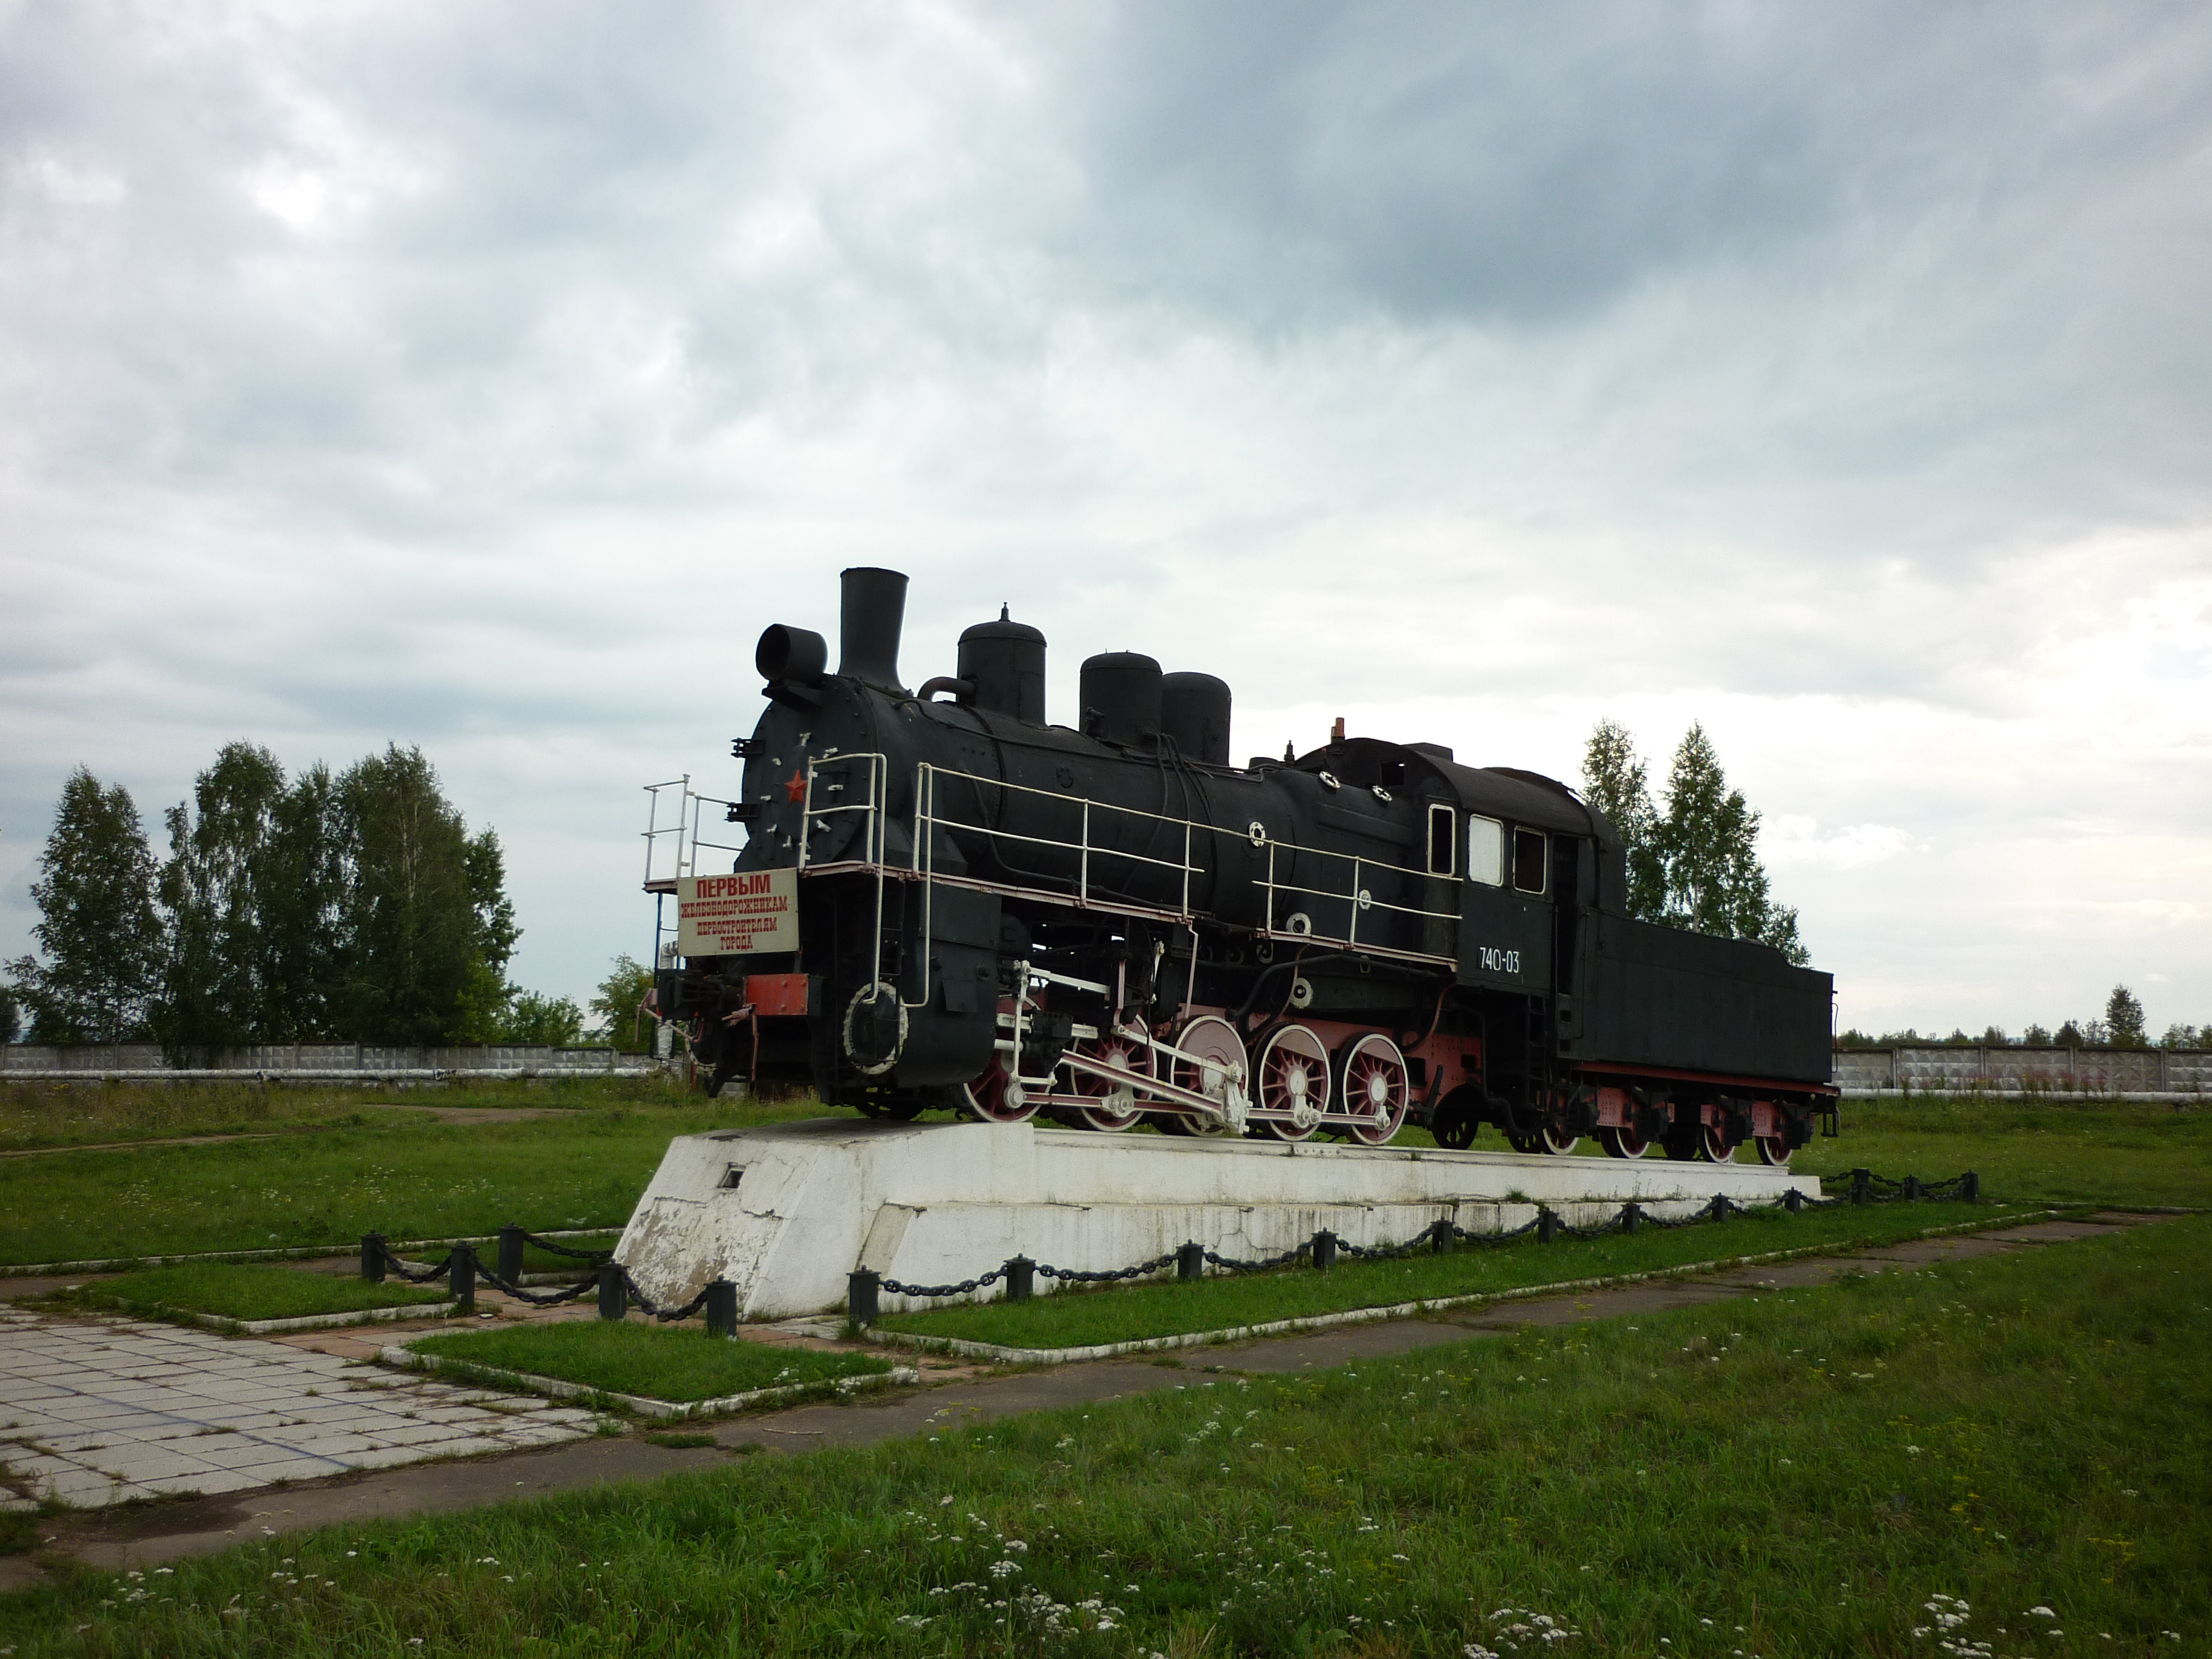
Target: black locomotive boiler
(944,903)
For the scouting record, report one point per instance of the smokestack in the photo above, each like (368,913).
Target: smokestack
(868,626)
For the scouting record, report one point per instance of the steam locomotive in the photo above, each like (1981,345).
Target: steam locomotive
(943,902)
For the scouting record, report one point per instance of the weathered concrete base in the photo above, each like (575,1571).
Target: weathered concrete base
(787,1211)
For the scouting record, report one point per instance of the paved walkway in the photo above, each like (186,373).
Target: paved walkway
(148,1534)
(97,1411)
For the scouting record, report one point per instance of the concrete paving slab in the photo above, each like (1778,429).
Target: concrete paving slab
(121,1409)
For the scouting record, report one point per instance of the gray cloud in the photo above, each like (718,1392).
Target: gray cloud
(485,378)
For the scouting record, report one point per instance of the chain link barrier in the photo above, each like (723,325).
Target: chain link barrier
(1966,1186)
(553,1248)
(1076,1275)
(634,1294)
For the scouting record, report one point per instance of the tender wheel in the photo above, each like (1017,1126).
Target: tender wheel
(1293,1084)
(1558,1142)
(1455,1124)
(1713,1146)
(987,1097)
(1773,1149)
(1622,1143)
(1377,1089)
(1220,1060)
(1117,1107)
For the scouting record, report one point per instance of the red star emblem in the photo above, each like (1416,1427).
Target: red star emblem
(795,785)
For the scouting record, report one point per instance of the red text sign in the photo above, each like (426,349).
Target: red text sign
(738,915)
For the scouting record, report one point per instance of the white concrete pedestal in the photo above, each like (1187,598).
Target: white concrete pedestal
(787,1211)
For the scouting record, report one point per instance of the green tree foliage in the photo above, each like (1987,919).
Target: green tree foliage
(1694,865)
(426,925)
(357,907)
(2068,1036)
(1614,782)
(615,1009)
(532,1017)
(2178,1035)
(253,888)
(98,925)
(2123,1019)
(12,1014)
(2035,1037)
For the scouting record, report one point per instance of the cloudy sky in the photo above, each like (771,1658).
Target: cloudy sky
(485,377)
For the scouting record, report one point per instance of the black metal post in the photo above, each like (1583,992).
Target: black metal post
(1718,1209)
(1440,1237)
(510,1253)
(1021,1279)
(1547,1224)
(1324,1249)
(1861,1185)
(1793,1200)
(721,1308)
(372,1257)
(1970,1188)
(1630,1215)
(863,1287)
(1190,1261)
(1911,1187)
(462,1279)
(613,1295)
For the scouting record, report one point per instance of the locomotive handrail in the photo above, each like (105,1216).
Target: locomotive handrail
(1358,898)
(927,819)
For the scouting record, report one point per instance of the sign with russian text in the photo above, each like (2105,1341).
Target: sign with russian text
(738,915)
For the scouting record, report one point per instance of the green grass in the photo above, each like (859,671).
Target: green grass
(238,1292)
(1795,1475)
(37,1115)
(660,1362)
(1079,1318)
(2053,1150)
(402,1175)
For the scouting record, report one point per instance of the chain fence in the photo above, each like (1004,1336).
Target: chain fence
(1019,1272)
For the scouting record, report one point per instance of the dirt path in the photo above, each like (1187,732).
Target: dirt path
(148,1534)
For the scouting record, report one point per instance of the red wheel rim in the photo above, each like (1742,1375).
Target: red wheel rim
(987,1097)
(1125,1053)
(1772,1150)
(1623,1143)
(1712,1141)
(1377,1089)
(1220,1053)
(1293,1072)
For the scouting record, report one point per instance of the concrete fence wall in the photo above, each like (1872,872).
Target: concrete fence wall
(28,1060)
(2089,1071)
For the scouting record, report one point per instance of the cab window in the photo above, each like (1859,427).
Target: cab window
(1486,851)
(1441,839)
(1531,859)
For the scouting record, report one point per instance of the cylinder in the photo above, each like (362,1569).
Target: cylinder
(721,1308)
(1194,712)
(784,653)
(1121,697)
(613,1295)
(863,1295)
(1004,661)
(868,622)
